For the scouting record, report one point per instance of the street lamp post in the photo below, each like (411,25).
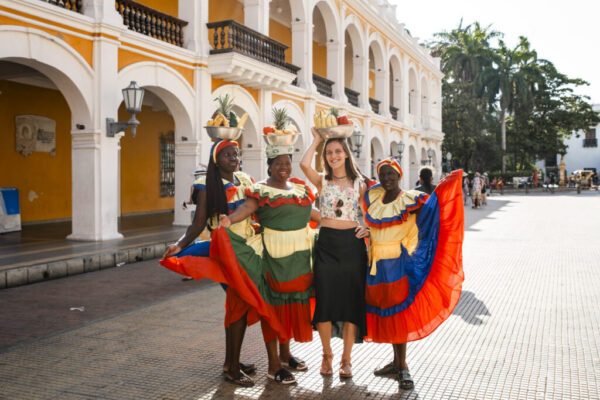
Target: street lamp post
(356,140)
(400,149)
(133,96)
(429,155)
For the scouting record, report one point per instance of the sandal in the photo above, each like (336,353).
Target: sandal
(345,369)
(326,367)
(406,381)
(245,368)
(389,369)
(295,363)
(244,380)
(282,376)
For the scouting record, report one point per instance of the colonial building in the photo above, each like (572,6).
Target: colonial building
(582,150)
(63,65)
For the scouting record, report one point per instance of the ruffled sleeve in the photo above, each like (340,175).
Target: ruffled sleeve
(300,194)
(200,183)
(379,215)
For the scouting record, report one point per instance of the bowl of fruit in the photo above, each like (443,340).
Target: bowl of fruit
(282,132)
(225,124)
(331,125)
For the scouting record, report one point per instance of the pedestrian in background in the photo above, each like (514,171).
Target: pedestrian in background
(465,187)
(426,180)
(476,190)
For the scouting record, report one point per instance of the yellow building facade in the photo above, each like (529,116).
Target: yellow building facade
(67,62)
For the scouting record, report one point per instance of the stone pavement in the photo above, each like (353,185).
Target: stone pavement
(526,327)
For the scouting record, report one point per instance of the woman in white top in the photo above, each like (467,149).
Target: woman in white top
(341,254)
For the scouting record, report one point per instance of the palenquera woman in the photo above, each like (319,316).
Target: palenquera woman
(415,273)
(341,259)
(221,190)
(276,265)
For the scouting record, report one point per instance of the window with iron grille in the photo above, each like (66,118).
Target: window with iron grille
(590,138)
(167,164)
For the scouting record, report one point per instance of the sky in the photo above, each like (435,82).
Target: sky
(566,33)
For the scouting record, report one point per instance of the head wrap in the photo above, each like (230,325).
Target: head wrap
(274,150)
(220,145)
(391,162)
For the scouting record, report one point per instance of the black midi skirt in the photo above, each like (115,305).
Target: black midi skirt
(339,278)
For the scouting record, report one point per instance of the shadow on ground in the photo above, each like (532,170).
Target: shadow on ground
(469,308)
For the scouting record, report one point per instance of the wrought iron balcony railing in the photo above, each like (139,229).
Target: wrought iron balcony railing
(73,5)
(151,22)
(324,85)
(590,142)
(352,96)
(374,105)
(231,36)
(394,112)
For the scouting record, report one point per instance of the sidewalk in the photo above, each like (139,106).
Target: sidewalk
(42,252)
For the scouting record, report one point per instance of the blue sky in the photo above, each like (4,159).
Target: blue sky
(564,32)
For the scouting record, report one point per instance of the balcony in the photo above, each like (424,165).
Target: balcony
(246,57)
(374,105)
(352,96)
(73,5)
(150,22)
(590,142)
(324,85)
(394,112)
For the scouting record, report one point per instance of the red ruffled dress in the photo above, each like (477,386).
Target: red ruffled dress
(415,276)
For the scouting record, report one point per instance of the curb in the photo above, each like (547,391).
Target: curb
(58,269)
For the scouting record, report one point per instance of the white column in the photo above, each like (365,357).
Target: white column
(256,15)
(95,157)
(405,163)
(382,84)
(361,67)
(302,52)
(398,98)
(335,69)
(195,33)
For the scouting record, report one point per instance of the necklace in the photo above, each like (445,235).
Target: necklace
(339,177)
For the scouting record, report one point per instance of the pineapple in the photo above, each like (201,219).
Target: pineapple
(280,119)
(226,110)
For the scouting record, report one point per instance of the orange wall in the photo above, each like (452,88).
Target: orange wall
(282,34)
(170,7)
(48,176)
(372,84)
(320,60)
(221,10)
(140,162)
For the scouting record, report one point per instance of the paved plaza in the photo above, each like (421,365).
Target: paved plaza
(527,325)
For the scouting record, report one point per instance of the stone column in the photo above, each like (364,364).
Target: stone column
(361,68)
(302,52)
(256,15)
(195,33)
(335,69)
(382,84)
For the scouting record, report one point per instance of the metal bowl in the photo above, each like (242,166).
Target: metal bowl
(223,132)
(281,140)
(335,132)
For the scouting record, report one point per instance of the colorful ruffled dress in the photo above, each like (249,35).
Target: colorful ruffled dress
(273,270)
(415,274)
(194,260)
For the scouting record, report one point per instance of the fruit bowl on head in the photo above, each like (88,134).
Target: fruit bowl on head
(286,139)
(336,132)
(223,132)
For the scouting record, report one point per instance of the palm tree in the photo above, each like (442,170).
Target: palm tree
(510,78)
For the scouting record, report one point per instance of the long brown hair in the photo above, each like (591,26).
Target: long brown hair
(351,169)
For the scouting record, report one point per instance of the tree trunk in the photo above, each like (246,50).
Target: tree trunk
(503,144)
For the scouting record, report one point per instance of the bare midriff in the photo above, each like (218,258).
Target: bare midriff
(338,223)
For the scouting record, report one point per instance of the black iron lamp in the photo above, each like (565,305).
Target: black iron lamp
(133,96)
(430,155)
(356,140)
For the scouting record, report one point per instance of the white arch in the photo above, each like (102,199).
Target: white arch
(413,164)
(244,100)
(413,90)
(53,57)
(376,152)
(330,15)
(352,25)
(375,41)
(297,10)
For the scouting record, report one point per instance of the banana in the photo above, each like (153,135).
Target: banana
(210,122)
(242,120)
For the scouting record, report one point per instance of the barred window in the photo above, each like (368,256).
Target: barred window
(167,164)
(591,133)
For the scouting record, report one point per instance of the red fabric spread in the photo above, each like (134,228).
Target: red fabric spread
(386,295)
(296,321)
(262,201)
(435,302)
(196,267)
(300,284)
(238,279)
(236,308)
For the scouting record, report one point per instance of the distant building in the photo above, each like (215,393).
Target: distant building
(583,151)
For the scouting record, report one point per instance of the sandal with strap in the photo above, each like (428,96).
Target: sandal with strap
(326,367)
(345,369)
(243,380)
(295,363)
(246,368)
(282,376)
(406,381)
(388,369)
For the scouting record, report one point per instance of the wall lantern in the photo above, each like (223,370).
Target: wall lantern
(356,140)
(133,96)
(430,155)
(400,149)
